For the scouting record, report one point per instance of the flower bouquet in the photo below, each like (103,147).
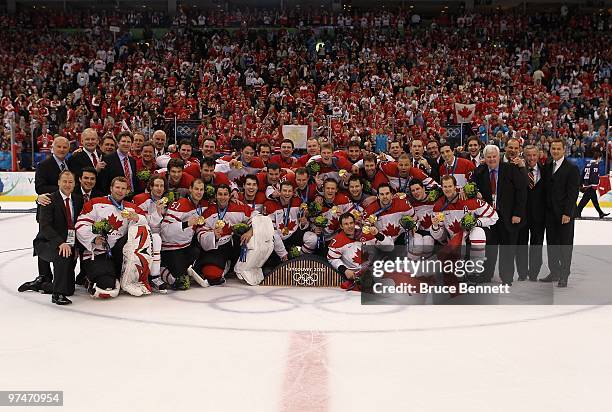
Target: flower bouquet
(294,252)
(434,194)
(314,209)
(468,222)
(103,228)
(321,222)
(407,222)
(143,175)
(209,192)
(470,190)
(313,168)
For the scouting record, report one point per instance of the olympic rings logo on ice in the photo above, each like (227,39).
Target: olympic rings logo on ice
(305,278)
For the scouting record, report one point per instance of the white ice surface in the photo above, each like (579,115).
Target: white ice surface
(227,349)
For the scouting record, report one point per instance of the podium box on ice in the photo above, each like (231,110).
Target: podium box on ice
(304,271)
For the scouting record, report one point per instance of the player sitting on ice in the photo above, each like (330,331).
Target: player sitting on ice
(455,220)
(345,249)
(154,204)
(117,242)
(220,248)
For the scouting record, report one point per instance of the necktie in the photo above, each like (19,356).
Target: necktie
(127,173)
(69,214)
(85,197)
(493,183)
(94,159)
(531,176)
(62,166)
(474,161)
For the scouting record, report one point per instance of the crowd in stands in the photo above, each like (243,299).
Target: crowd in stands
(533,77)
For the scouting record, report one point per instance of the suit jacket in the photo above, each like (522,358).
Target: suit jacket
(434,172)
(94,193)
(46,177)
(536,199)
(562,189)
(53,225)
(511,192)
(80,160)
(113,169)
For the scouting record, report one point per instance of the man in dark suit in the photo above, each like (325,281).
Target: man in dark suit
(531,235)
(427,165)
(505,187)
(55,241)
(120,164)
(88,156)
(45,183)
(562,180)
(433,153)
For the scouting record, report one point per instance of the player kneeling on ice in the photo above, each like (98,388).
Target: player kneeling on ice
(345,249)
(457,220)
(216,236)
(117,241)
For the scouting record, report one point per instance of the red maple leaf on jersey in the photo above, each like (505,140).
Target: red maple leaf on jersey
(114,222)
(426,222)
(391,230)
(290,225)
(455,227)
(465,112)
(333,224)
(357,257)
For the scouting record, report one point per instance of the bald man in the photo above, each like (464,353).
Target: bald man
(88,155)
(45,183)
(159,142)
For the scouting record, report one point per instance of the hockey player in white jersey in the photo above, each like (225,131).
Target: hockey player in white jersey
(121,258)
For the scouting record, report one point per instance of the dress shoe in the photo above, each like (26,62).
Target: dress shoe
(603,215)
(549,278)
(35,285)
(60,299)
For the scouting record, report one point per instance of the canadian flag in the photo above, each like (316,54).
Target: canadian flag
(464,112)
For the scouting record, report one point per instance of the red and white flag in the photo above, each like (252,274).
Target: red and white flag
(464,112)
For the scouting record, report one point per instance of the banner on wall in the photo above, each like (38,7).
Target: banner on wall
(17,187)
(298,134)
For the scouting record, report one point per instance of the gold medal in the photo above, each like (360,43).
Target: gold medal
(366,230)
(441,217)
(219,224)
(238,164)
(334,210)
(285,231)
(163,201)
(372,219)
(401,195)
(356,214)
(201,220)
(342,173)
(126,212)
(304,206)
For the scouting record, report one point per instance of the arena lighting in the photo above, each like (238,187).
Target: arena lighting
(319,46)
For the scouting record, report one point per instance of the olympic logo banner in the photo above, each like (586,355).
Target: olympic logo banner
(17,187)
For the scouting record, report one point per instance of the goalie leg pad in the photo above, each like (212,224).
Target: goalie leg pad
(137,261)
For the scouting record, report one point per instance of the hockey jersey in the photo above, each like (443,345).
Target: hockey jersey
(332,211)
(100,208)
(388,217)
(590,175)
(237,175)
(454,212)
(402,184)
(284,218)
(331,171)
(173,235)
(423,211)
(461,168)
(146,202)
(347,252)
(257,204)
(234,213)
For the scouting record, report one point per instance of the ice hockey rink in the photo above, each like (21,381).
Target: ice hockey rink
(240,348)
